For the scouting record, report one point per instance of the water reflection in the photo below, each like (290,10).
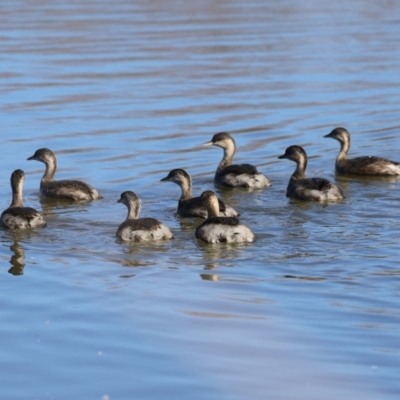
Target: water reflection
(134,88)
(232,279)
(150,247)
(367,180)
(220,255)
(377,187)
(211,266)
(209,277)
(143,254)
(188,225)
(49,205)
(17,237)
(17,259)
(306,278)
(131,263)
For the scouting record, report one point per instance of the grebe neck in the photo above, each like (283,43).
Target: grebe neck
(229,152)
(300,171)
(51,166)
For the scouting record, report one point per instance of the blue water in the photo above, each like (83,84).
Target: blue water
(123,92)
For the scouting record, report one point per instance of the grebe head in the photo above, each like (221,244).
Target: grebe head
(340,134)
(294,153)
(178,176)
(222,139)
(210,201)
(132,202)
(17,179)
(44,155)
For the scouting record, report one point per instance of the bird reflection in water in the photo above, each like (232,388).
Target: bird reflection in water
(209,277)
(57,206)
(17,259)
(214,257)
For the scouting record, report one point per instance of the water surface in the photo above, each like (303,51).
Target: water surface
(123,92)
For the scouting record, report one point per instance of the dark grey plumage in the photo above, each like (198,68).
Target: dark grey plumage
(235,175)
(189,206)
(141,224)
(365,165)
(17,216)
(217,229)
(67,189)
(139,229)
(232,221)
(302,188)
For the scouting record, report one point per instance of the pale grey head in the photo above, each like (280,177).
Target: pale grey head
(17,179)
(340,134)
(43,155)
(222,139)
(294,153)
(178,176)
(132,202)
(299,156)
(210,201)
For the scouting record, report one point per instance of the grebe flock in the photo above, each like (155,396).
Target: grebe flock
(221,222)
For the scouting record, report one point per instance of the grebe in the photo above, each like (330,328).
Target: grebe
(17,216)
(367,165)
(235,175)
(217,229)
(189,206)
(140,229)
(302,188)
(67,189)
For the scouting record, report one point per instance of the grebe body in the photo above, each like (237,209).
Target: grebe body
(366,165)
(67,189)
(302,188)
(216,229)
(17,216)
(189,206)
(136,229)
(235,175)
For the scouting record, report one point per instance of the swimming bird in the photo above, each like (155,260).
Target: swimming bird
(302,188)
(366,165)
(189,206)
(217,229)
(235,175)
(140,229)
(67,189)
(17,216)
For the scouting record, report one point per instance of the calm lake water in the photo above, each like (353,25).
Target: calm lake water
(125,91)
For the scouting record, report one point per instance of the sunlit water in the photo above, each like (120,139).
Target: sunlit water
(125,91)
